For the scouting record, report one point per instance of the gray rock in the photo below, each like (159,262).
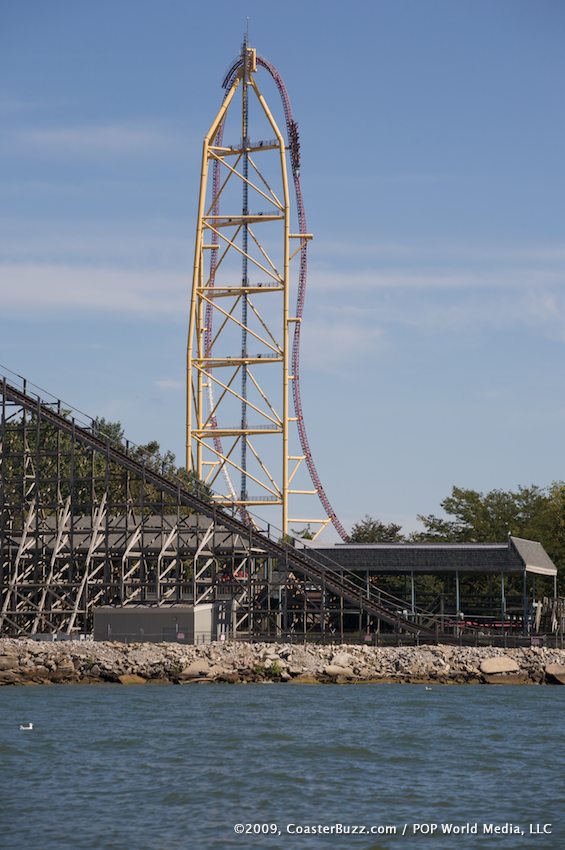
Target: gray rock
(556,672)
(342,659)
(8,677)
(499,664)
(195,670)
(335,670)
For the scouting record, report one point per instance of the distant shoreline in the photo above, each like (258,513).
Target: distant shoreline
(28,662)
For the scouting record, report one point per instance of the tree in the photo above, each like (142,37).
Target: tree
(303,533)
(103,428)
(535,513)
(486,518)
(371,530)
(549,525)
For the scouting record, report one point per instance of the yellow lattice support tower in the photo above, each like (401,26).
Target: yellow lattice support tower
(239,362)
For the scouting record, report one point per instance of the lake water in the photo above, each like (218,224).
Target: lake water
(155,767)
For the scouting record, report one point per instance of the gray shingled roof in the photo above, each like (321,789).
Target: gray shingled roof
(396,558)
(534,556)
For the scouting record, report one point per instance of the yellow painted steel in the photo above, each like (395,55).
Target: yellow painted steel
(274,469)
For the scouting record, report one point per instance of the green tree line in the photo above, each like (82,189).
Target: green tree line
(535,513)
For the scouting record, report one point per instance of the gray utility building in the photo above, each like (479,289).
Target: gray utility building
(518,573)
(171,623)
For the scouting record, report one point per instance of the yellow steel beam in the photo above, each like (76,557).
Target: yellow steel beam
(243,179)
(240,398)
(218,196)
(251,149)
(262,465)
(263,395)
(227,291)
(262,250)
(237,467)
(222,257)
(265,183)
(230,220)
(243,253)
(262,322)
(241,325)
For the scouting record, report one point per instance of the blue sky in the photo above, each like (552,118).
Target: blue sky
(433,174)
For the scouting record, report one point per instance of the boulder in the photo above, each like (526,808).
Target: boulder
(342,659)
(64,671)
(8,677)
(8,662)
(217,671)
(229,678)
(499,664)
(506,679)
(196,670)
(269,655)
(336,670)
(65,666)
(556,672)
(301,661)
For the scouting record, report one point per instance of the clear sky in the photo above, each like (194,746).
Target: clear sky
(433,150)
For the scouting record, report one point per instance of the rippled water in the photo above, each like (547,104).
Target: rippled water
(156,767)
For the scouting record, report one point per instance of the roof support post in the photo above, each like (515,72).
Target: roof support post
(525,603)
(341,613)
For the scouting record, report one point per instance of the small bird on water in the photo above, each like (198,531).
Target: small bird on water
(26,727)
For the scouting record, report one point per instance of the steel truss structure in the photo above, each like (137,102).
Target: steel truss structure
(87,521)
(240,360)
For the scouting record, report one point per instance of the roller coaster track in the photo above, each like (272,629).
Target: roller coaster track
(294,147)
(296,556)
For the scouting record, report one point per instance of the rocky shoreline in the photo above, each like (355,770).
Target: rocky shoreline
(28,662)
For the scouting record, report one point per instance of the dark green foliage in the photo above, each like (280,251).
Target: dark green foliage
(105,429)
(303,533)
(535,513)
(485,518)
(371,530)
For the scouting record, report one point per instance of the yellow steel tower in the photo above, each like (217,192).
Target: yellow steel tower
(238,355)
